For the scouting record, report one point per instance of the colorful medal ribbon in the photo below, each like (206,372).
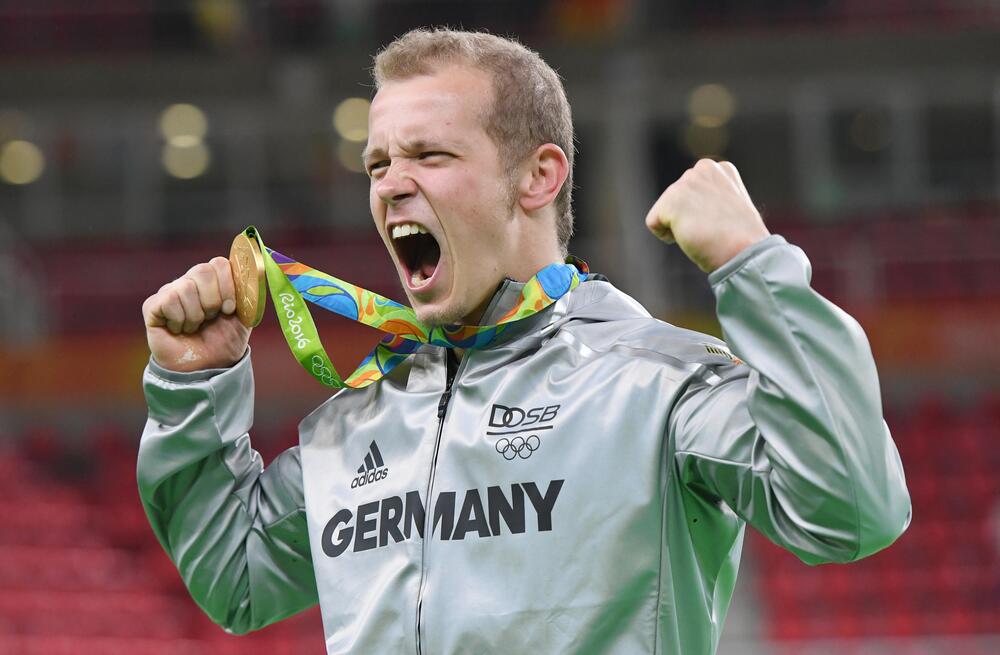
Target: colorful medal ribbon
(290,282)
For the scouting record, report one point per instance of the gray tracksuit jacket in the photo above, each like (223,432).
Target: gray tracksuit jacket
(581,486)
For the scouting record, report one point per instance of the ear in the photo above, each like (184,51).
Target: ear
(543,174)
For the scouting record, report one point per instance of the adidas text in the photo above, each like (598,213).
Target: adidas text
(369,477)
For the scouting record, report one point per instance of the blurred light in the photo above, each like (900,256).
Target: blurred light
(870,130)
(704,141)
(183,125)
(350,119)
(21,162)
(184,141)
(711,105)
(186,162)
(349,154)
(221,20)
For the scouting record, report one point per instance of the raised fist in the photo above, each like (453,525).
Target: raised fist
(191,323)
(708,213)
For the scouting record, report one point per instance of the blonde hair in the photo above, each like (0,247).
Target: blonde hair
(529,105)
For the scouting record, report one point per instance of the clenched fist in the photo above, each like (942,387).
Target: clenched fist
(191,323)
(708,213)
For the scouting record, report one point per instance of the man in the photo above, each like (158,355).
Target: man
(578,486)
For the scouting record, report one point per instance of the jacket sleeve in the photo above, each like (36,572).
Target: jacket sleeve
(235,530)
(793,440)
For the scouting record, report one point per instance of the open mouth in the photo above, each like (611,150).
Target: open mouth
(417,251)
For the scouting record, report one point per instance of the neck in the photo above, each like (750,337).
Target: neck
(533,246)
(479,317)
(521,274)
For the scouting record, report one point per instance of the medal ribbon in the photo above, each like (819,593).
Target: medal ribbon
(290,282)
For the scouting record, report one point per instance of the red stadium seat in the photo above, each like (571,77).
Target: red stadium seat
(942,576)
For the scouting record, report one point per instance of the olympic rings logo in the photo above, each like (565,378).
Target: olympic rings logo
(322,371)
(518,447)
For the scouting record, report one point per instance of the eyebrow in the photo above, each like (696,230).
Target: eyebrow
(409,146)
(368,153)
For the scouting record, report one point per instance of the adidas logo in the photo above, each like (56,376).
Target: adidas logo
(373,470)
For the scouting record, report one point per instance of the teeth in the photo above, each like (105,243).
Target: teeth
(406,229)
(416,278)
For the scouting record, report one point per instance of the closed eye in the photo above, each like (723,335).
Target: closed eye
(428,155)
(432,154)
(382,163)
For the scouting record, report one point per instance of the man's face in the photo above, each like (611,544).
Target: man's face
(441,200)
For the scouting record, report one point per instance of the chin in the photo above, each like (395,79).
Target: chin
(438,315)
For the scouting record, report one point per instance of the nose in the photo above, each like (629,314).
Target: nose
(395,185)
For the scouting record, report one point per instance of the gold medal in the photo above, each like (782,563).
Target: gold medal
(248,276)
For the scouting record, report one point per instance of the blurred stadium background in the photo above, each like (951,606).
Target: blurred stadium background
(138,136)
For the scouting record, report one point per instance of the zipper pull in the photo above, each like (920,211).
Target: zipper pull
(451,368)
(443,403)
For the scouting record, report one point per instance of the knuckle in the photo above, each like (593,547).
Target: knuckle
(222,269)
(154,302)
(187,285)
(200,271)
(171,307)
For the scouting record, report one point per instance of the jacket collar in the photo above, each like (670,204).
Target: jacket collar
(506,296)
(595,299)
(503,300)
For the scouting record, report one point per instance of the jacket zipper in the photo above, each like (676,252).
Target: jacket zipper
(429,511)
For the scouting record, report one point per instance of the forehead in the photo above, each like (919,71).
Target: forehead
(452,98)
